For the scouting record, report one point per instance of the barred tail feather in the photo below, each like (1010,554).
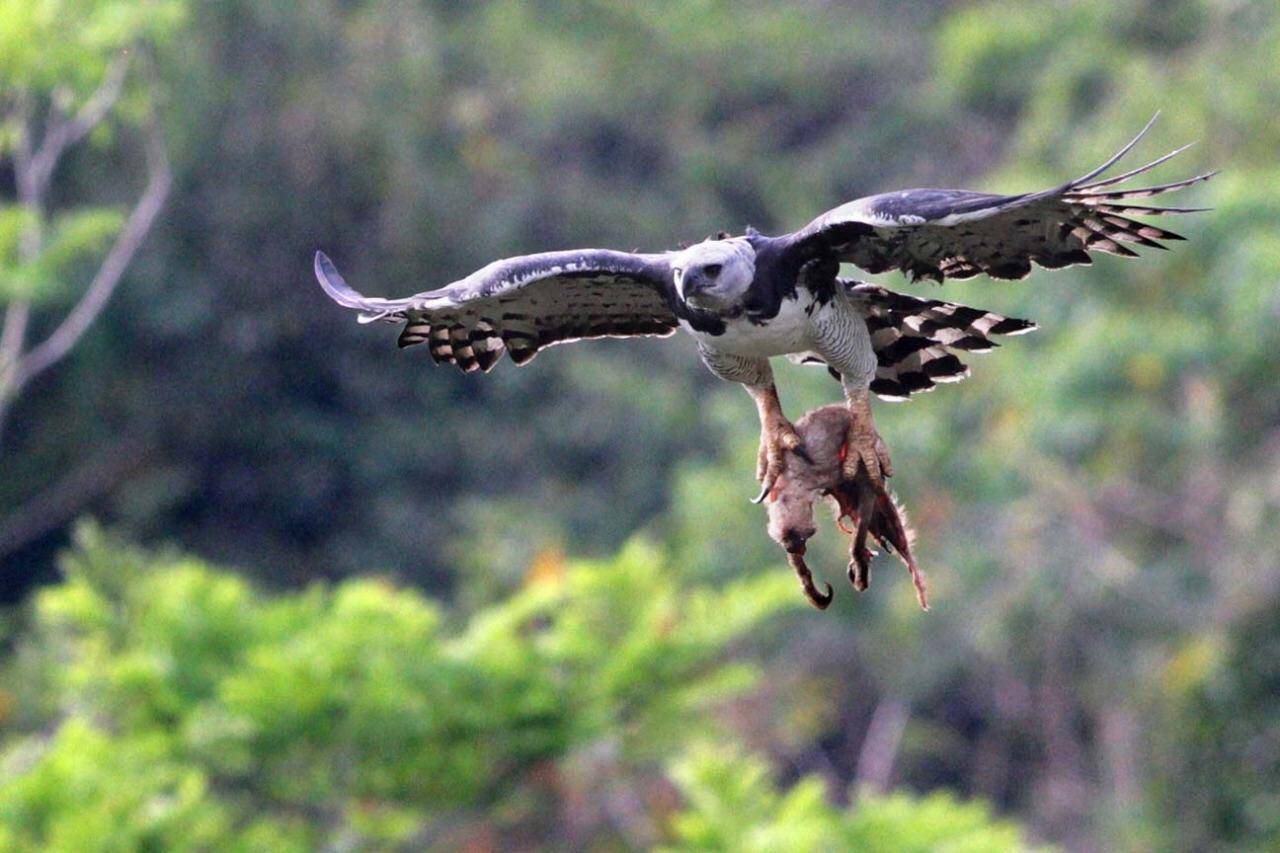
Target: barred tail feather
(916,340)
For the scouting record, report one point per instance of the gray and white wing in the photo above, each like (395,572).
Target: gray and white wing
(941,234)
(522,305)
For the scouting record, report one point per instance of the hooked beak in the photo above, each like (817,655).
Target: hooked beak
(689,283)
(693,283)
(699,292)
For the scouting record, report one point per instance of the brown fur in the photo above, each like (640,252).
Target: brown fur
(870,511)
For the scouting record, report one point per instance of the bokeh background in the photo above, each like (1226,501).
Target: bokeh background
(271,584)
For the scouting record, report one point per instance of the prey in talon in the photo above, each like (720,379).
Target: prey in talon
(856,492)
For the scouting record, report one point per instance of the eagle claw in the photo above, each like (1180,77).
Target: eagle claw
(775,443)
(865,452)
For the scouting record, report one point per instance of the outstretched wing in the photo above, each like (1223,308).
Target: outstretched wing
(521,305)
(942,234)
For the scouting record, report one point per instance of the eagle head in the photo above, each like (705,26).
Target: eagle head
(714,275)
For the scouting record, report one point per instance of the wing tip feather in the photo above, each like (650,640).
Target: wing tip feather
(337,289)
(334,284)
(1115,158)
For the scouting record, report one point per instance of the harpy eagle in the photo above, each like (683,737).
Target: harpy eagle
(745,299)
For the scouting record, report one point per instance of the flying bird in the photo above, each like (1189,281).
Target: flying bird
(747,298)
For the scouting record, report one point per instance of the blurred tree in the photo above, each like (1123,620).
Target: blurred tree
(1098,506)
(166,705)
(733,806)
(65,68)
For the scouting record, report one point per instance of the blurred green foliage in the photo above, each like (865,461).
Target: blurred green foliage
(178,708)
(65,46)
(1097,506)
(55,56)
(734,805)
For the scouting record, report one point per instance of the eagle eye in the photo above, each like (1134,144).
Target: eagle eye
(712,270)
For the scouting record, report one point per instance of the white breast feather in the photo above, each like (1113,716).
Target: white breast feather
(789,332)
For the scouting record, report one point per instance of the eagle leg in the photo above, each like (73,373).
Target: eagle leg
(777,436)
(818,599)
(864,449)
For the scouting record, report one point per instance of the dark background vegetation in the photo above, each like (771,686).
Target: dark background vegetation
(545,661)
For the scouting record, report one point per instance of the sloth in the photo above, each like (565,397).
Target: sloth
(821,472)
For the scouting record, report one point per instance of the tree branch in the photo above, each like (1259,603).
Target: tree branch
(21,114)
(13,336)
(63,132)
(880,745)
(65,499)
(82,316)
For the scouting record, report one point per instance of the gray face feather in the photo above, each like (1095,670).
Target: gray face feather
(715,275)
